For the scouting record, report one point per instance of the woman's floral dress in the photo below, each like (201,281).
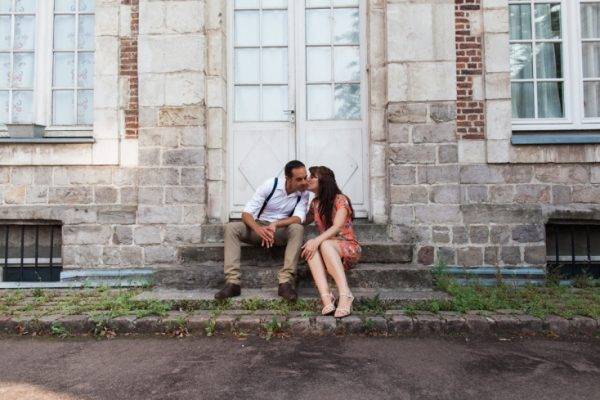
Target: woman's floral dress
(346,238)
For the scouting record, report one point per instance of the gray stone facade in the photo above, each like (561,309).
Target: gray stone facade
(131,202)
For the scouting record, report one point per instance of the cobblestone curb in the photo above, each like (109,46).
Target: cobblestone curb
(236,322)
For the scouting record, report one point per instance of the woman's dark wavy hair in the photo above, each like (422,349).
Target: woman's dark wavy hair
(326,193)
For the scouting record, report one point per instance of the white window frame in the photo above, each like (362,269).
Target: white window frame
(44,66)
(572,66)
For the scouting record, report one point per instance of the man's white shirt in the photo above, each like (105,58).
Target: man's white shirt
(280,205)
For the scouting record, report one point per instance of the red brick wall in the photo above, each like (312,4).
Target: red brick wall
(470,117)
(128,68)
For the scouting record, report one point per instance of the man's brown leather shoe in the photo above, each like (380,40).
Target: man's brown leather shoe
(286,290)
(230,290)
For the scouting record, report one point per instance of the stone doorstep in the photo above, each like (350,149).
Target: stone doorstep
(372,252)
(210,275)
(235,322)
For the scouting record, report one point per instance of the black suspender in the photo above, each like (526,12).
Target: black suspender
(268,198)
(271,195)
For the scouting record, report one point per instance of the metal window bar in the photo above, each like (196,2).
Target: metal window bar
(26,257)
(575,262)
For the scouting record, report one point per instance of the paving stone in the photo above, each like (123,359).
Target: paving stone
(530,324)
(224,323)
(453,322)
(325,325)
(558,325)
(77,324)
(506,323)
(149,325)
(401,324)
(299,325)
(375,325)
(352,324)
(124,324)
(197,323)
(479,324)
(427,324)
(7,325)
(583,326)
(249,323)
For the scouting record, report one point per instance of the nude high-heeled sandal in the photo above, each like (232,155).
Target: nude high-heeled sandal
(330,308)
(342,312)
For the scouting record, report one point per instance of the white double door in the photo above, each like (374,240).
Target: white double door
(297,91)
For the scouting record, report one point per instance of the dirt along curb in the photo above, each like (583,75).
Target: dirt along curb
(270,324)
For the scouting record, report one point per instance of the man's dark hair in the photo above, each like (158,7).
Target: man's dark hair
(292,165)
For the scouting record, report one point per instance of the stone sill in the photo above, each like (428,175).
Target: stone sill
(48,140)
(555,138)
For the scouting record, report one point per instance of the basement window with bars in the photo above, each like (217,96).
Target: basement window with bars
(30,251)
(573,248)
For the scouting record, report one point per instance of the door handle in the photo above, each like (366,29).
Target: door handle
(291,114)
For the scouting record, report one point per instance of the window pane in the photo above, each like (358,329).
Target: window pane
(591,60)
(318,27)
(347,101)
(62,107)
(246,28)
(318,3)
(5,32)
(25,6)
(318,99)
(86,32)
(590,21)
(550,100)
(521,61)
(247,103)
(247,4)
(61,6)
(522,100)
(5,6)
(547,21)
(347,64)
(4,70)
(85,107)
(346,26)
(274,3)
(246,65)
(85,70)
(318,64)
(64,32)
(275,100)
(338,3)
(549,59)
(64,70)
(591,101)
(23,70)
(86,6)
(24,32)
(274,66)
(3,107)
(274,28)
(22,107)
(520,22)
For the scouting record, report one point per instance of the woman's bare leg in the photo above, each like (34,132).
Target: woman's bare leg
(330,252)
(317,269)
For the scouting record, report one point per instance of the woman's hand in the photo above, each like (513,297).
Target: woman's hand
(309,249)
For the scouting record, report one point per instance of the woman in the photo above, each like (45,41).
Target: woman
(336,249)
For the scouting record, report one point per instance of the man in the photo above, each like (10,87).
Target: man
(273,216)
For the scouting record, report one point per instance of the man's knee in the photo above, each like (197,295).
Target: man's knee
(295,230)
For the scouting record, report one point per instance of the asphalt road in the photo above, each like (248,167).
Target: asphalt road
(304,368)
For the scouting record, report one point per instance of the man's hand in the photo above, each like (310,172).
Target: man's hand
(267,234)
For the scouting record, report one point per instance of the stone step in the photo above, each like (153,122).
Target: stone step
(365,232)
(397,296)
(210,275)
(372,252)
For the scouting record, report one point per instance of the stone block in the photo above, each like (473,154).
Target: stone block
(459,235)
(159,254)
(197,323)
(351,325)
(558,325)
(36,195)
(325,325)
(441,234)
(122,325)
(185,195)
(477,194)
(399,133)
(158,176)
(469,256)
(448,154)
(562,174)
(183,157)
(77,324)
(445,194)
(433,174)
(530,325)
(69,195)
(437,214)
(480,174)
(402,214)
(425,255)
(122,235)
(151,195)
(471,151)
(532,194)
(170,53)
(453,323)
(147,235)
(479,234)
(407,113)
(105,195)
(496,52)
(586,194)
(408,194)
(510,255)
(401,324)
(425,324)
(502,194)
(501,214)
(434,133)
(149,325)
(478,324)
(116,216)
(561,195)
(528,233)
(402,175)
(500,234)
(490,255)
(442,111)
(446,255)
(181,116)
(413,154)
(86,234)
(183,234)
(159,215)
(249,323)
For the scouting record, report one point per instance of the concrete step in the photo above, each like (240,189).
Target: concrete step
(365,232)
(372,252)
(210,275)
(400,296)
